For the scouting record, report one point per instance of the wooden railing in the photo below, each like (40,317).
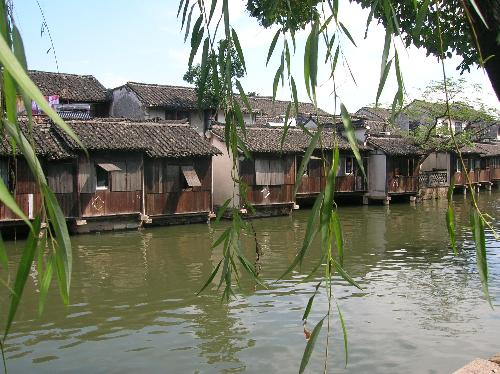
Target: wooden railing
(461,180)
(345,183)
(484,175)
(433,179)
(495,174)
(401,184)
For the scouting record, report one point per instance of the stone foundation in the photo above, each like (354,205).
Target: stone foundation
(429,193)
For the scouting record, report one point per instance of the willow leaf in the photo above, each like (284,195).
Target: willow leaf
(238,48)
(180,7)
(286,126)
(477,226)
(310,346)
(347,33)
(305,160)
(450,218)
(222,237)
(349,132)
(339,240)
(272,46)
(45,283)
(307,68)
(210,278)
(345,275)
(294,94)
(222,210)
(310,302)
(63,253)
(383,78)
(188,24)
(212,10)
(344,333)
(22,272)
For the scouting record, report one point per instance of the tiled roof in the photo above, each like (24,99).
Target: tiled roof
(268,140)
(155,139)
(47,143)
(376,114)
(395,146)
(70,87)
(489,149)
(159,95)
(264,105)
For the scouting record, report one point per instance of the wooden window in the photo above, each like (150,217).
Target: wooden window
(60,177)
(349,165)
(102,171)
(269,172)
(190,176)
(154,176)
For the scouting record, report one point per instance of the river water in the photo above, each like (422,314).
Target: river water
(133,304)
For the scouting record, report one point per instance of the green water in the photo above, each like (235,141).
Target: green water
(133,304)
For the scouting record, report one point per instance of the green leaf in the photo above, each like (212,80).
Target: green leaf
(421,14)
(328,200)
(309,235)
(238,49)
(349,132)
(287,58)
(210,278)
(212,9)
(313,59)
(344,333)
(335,59)
(222,237)
(307,68)
(10,62)
(225,11)
(243,96)
(477,225)
(8,200)
(4,260)
(383,78)
(450,218)
(63,253)
(385,53)
(180,7)
(188,24)
(310,346)
(339,240)
(345,275)
(45,283)
(23,272)
(310,302)
(305,160)
(277,77)
(295,98)
(184,12)
(222,210)
(347,33)
(271,47)
(285,125)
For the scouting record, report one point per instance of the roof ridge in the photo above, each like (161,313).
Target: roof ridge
(59,73)
(159,85)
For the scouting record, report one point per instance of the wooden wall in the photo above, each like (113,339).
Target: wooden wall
(273,194)
(21,182)
(167,190)
(402,174)
(116,199)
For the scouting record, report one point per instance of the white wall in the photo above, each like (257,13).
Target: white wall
(196,121)
(437,161)
(223,183)
(248,118)
(377,171)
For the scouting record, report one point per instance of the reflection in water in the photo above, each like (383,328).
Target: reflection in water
(134,305)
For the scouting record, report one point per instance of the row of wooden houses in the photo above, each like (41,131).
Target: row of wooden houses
(160,160)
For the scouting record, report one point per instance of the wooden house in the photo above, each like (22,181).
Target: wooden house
(77,96)
(58,164)
(271,173)
(472,159)
(139,173)
(490,162)
(144,101)
(392,165)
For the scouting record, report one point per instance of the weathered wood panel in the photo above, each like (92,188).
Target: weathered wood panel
(401,184)
(484,175)
(107,202)
(68,204)
(495,174)
(177,202)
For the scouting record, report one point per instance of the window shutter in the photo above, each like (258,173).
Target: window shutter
(276,174)
(191,176)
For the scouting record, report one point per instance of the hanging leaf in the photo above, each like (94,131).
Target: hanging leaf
(349,132)
(238,49)
(22,272)
(477,226)
(421,14)
(310,302)
(382,81)
(210,278)
(347,33)
(272,46)
(310,346)
(45,284)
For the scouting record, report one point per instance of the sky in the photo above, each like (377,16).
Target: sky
(119,41)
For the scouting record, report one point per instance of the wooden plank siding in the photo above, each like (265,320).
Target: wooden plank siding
(269,194)
(123,195)
(167,190)
(22,184)
(314,180)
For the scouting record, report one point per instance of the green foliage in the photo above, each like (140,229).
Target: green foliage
(207,79)
(292,15)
